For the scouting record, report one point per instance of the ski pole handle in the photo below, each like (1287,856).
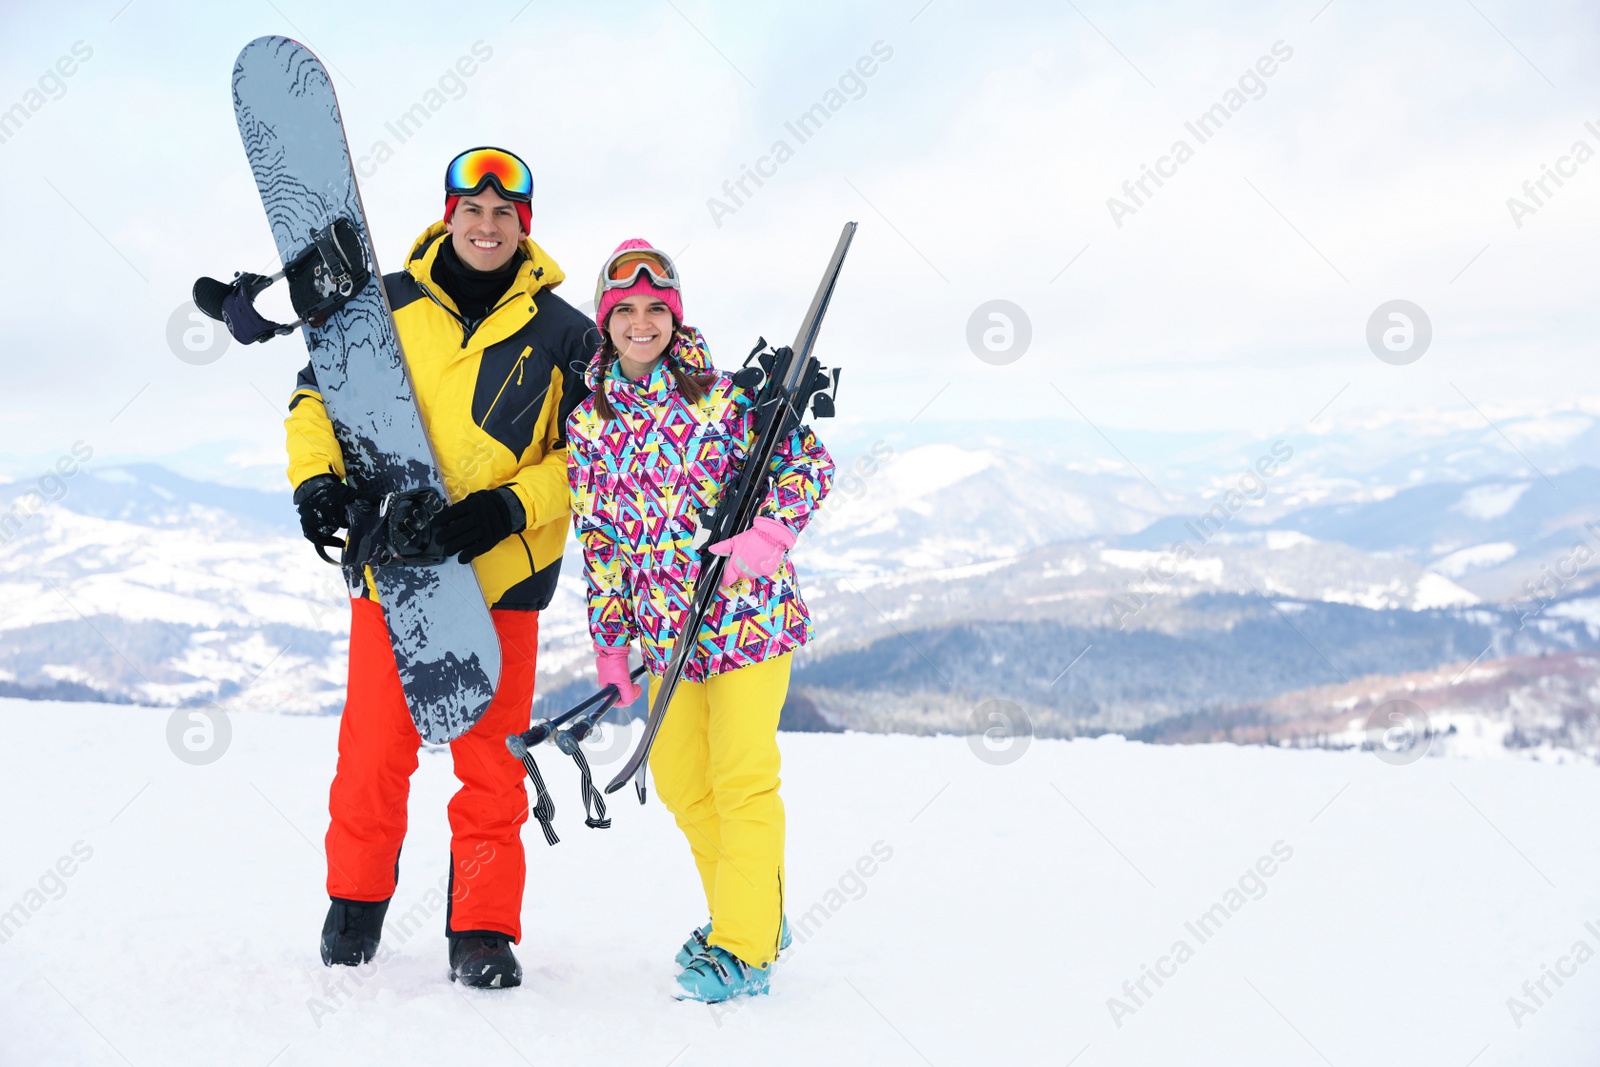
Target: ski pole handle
(581,726)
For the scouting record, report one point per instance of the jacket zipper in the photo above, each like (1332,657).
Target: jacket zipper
(466,333)
(517,370)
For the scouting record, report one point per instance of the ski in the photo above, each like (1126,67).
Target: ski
(786,382)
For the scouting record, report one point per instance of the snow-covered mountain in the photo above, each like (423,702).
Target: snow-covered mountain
(1490,535)
(139,584)
(135,583)
(1339,455)
(1197,658)
(942,505)
(1547,706)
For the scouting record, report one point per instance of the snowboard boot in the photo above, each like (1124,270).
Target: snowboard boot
(351,931)
(716,975)
(484,961)
(697,942)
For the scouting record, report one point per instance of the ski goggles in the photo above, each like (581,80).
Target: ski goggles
(477,168)
(624,268)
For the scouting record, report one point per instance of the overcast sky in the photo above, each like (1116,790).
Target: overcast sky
(1374,163)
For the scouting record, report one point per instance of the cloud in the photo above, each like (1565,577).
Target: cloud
(982,153)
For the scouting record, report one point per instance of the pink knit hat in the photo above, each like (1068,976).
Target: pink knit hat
(606,299)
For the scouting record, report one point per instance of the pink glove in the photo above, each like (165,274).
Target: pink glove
(757,552)
(611,664)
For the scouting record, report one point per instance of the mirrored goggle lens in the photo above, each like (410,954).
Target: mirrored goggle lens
(628,264)
(471,171)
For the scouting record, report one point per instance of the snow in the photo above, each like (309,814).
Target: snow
(179,574)
(1199,568)
(1584,609)
(901,481)
(1404,906)
(1433,591)
(1470,559)
(1278,540)
(1490,501)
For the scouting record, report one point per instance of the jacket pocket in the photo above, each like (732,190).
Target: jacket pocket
(515,371)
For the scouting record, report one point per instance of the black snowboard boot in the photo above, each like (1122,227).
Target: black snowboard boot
(351,931)
(484,961)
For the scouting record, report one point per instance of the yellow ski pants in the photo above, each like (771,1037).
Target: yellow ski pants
(715,763)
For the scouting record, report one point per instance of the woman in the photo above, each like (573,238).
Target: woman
(659,439)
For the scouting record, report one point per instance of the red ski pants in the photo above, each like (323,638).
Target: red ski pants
(378,746)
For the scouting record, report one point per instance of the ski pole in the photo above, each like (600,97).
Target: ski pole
(569,739)
(544,808)
(521,746)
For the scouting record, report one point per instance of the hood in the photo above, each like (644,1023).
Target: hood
(538,270)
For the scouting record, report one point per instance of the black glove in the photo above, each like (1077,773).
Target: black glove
(475,525)
(321,501)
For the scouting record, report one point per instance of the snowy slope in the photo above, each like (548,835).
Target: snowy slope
(1404,906)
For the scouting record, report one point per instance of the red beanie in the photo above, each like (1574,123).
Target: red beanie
(524,211)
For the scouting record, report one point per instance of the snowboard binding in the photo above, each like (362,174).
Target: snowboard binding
(765,364)
(397,529)
(758,376)
(322,279)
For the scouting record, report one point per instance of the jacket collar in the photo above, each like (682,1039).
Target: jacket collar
(538,271)
(689,351)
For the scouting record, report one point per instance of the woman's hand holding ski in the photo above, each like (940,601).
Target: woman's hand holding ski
(755,553)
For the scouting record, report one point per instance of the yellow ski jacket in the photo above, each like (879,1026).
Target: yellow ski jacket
(494,402)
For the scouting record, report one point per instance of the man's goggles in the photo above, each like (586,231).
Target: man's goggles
(478,168)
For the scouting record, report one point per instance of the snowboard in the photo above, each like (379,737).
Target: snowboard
(444,640)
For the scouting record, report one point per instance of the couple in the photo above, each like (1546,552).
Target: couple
(534,416)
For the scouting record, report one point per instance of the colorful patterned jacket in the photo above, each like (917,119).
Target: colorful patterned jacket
(638,481)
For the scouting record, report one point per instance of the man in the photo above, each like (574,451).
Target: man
(496,359)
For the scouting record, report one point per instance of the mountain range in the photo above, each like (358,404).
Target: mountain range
(943,575)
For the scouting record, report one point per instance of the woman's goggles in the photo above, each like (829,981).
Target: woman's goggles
(624,268)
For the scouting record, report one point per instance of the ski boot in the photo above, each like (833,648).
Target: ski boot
(716,975)
(484,962)
(351,931)
(697,942)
